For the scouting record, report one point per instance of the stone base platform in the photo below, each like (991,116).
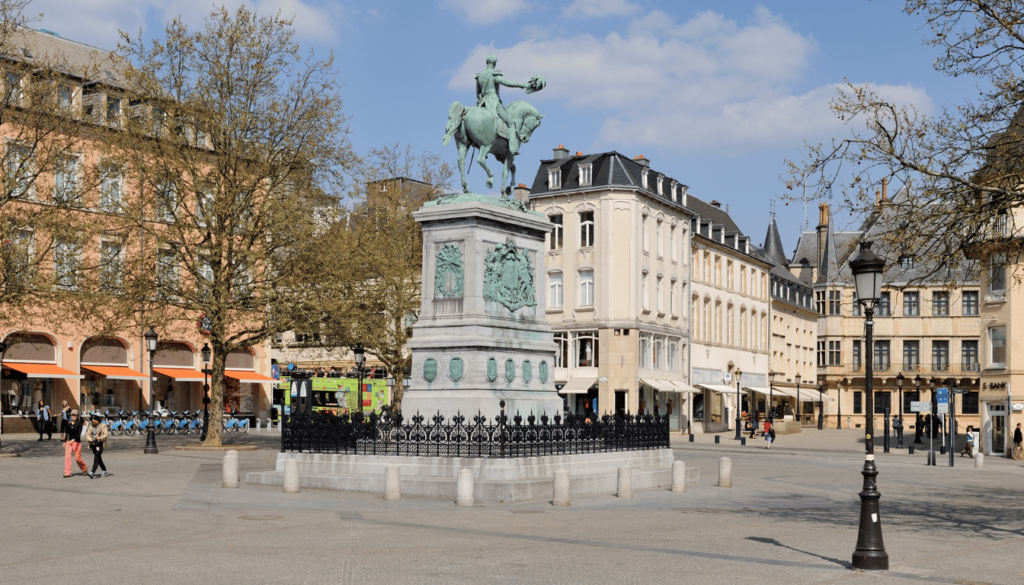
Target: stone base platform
(495,480)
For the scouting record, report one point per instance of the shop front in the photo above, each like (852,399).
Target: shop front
(179,385)
(1000,412)
(109,383)
(667,398)
(31,374)
(244,388)
(580,395)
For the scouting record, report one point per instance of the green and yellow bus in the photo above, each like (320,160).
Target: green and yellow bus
(340,395)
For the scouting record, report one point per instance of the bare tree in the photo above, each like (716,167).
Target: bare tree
(961,169)
(235,143)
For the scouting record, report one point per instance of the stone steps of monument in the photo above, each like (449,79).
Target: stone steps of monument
(501,490)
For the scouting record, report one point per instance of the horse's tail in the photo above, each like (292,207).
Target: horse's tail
(455,114)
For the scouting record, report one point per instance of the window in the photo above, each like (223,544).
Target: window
(707,267)
(67,257)
(555,243)
(857,307)
(718,270)
(672,356)
(906,262)
(586,288)
(821,354)
(113,111)
(644,303)
(64,95)
(744,338)
(586,349)
(110,265)
(908,397)
(819,300)
(167,274)
(555,290)
(645,351)
(835,353)
(706,320)
(204,208)
(562,351)
(586,229)
(657,236)
(883,402)
(658,295)
(728,275)
(19,254)
(970,403)
(970,302)
(14,87)
(586,174)
(857,356)
(694,317)
(718,322)
(882,356)
(110,190)
(997,274)
(728,325)
(65,181)
(940,303)
(166,201)
(940,356)
(835,302)
(20,170)
(885,305)
(554,178)
(672,242)
(661,179)
(858,407)
(672,297)
(643,233)
(659,352)
(204,275)
(911,304)
(743,279)
(969,355)
(643,178)
(997,347)
(911,355)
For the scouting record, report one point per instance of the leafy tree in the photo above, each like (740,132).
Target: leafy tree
(236,142)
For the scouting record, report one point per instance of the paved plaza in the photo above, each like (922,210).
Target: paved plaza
(791,518)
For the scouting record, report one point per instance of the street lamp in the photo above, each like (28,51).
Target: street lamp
(3,350)
(206,389)
(771,396)
(739,378)
(870,553)
(917,418)
(821,404)
(360,355)
(798,377)
(898,423)
(151,341)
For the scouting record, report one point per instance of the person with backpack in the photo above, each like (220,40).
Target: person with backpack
(43,421)
(769,433)
(72,440)
(96,437)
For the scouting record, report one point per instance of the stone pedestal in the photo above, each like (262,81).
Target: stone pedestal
(482,335)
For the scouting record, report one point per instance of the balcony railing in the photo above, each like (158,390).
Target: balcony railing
(907,369)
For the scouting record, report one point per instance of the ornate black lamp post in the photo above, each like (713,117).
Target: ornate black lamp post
(821,403)
(206,389)
(3,350)
(151,340)
(870,553)
(897,424)
(798,377)
(917,418)
(360,355)
(739,378)
(771,396)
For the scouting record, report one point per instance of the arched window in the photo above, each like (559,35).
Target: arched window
(644,303)
(586,288)
(555,290)
(694,317)
(645,350)
(657,292)
(643,233)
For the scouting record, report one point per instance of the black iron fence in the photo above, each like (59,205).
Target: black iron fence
(502,436)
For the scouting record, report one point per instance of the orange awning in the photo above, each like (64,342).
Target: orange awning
(181,374)
(41,370)
(117,372)
(248,377)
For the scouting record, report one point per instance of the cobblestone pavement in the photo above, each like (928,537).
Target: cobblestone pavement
(791,517)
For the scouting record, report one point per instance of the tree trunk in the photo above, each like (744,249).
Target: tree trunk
(399,391)
(215,432)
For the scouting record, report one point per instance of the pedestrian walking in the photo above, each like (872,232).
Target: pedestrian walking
(96,436)
(769,434)
(1018,443)
(65,416)
(969,446)
(43,421)
(73,445)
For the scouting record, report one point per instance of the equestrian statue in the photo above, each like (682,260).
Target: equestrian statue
(491,127)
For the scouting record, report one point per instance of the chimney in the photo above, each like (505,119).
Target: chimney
(822,215)
(522,193)
(727,208)
(715,203)
(822,235)
(561,152)
(885,188)
(642,161)
(578,153)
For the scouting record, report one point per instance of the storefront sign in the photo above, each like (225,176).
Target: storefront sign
(993,385)
(922,406)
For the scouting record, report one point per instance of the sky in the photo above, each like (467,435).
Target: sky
(717,95)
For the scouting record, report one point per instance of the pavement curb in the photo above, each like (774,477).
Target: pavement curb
(3,455)
(222,448)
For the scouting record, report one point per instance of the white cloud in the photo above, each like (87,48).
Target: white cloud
(486,11)
(599,8)
(707,84)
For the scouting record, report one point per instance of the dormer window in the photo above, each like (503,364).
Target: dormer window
(554,178)
(14,89)
(673,193)
(113,110)
(643,178)
(586,174)
(660,180)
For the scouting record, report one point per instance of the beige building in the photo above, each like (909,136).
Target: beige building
(617,272)
(924,330)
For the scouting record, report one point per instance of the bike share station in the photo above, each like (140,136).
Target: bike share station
(945,418)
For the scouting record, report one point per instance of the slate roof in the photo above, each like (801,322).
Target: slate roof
(773,243)
(77,59)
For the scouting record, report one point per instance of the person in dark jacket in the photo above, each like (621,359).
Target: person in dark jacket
(65,416)
(43,421)
(73,445)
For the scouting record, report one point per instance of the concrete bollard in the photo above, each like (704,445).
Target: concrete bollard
(229,477)
(392,483)
(625,482)
(725,472)
(979,460)
(678,477)
(257,424)
(560,496)
(464,490)
(291,476)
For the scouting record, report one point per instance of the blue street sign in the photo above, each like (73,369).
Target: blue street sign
(942,395)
